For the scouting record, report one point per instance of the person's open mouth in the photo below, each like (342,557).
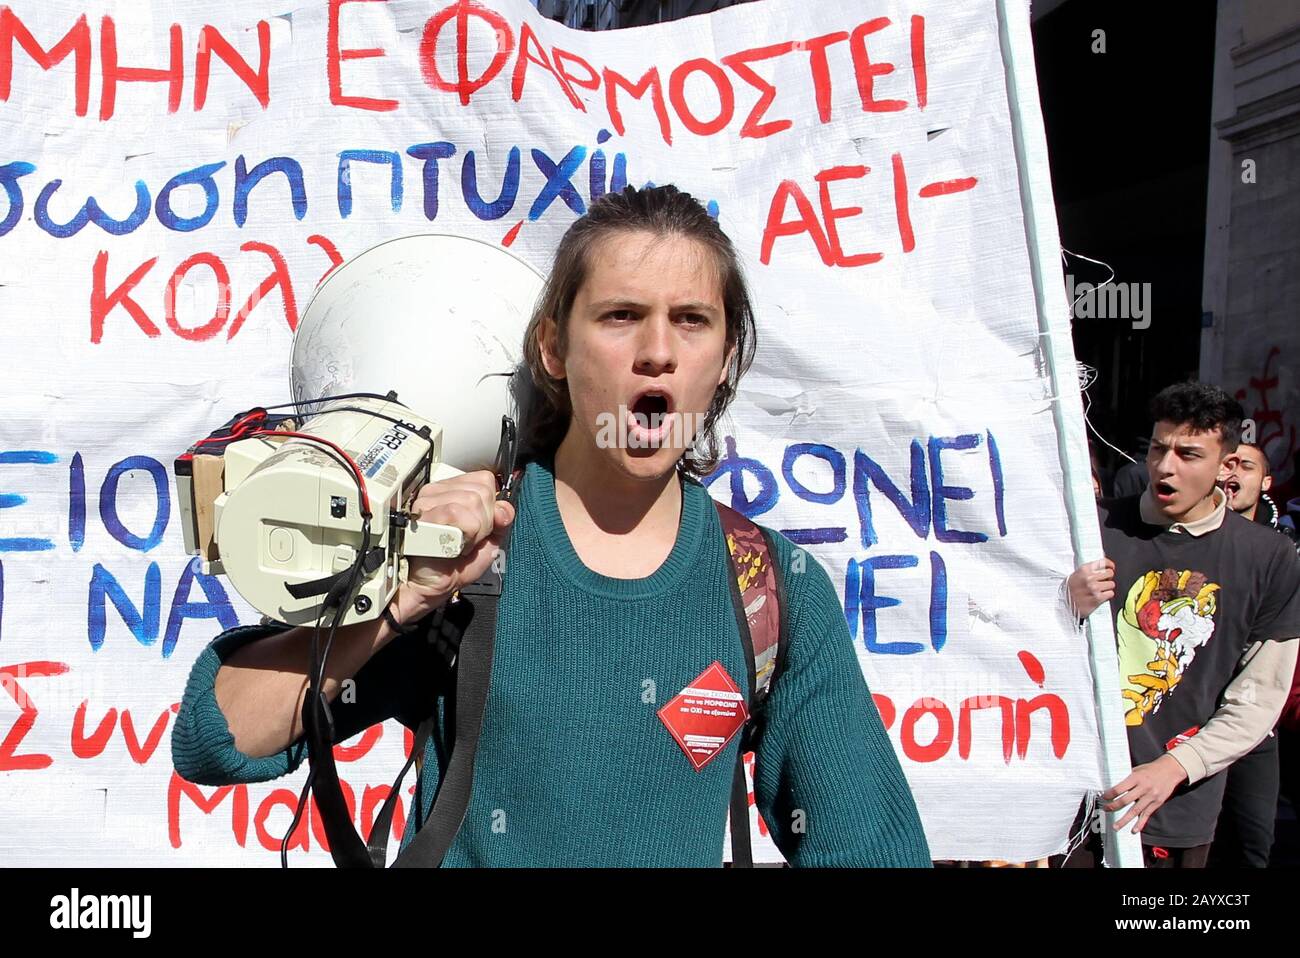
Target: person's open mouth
(1232,487)
(1164,491)
(650,417)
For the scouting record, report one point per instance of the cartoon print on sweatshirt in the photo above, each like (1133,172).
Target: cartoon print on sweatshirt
(1167,617)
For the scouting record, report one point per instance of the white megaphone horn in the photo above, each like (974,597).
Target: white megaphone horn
(401,375)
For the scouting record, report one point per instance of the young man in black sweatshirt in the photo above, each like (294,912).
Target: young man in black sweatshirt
(1207,612)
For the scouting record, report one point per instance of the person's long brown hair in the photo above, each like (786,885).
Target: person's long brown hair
(545,409)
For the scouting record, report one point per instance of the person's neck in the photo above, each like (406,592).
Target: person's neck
(613,502)
(1250,513)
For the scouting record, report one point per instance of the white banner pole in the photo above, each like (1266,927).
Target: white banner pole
(1123,849)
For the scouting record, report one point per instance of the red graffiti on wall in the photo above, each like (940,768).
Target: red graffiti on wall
(1272,434)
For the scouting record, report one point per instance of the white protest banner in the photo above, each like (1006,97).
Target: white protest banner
(176,178)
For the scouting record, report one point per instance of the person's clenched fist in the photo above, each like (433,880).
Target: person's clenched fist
(469,503)
(1090,585)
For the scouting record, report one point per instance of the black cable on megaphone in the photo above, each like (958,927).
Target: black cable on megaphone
(346,846)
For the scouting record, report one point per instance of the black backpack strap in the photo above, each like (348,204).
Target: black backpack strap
(441,633)
(473,679)
(742,853)
(429,651)
(377,846)
(758,599)
(468,651)
(472,657)
(465,708)
(346,846)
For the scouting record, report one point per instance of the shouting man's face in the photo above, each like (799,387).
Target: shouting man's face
(1183,464)
(646,352)
(1244,478)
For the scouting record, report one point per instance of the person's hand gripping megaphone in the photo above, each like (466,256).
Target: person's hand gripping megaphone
(469,502)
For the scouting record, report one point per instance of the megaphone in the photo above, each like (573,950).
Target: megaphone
(401,375)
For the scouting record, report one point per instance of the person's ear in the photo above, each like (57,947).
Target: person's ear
(726,364)
(1267,484)
(547,341)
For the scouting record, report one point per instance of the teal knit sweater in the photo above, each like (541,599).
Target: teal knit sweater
(574,766)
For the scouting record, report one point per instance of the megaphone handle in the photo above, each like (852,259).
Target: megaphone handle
(432,541)
(446,542)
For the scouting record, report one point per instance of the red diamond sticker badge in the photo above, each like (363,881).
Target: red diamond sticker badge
(706,715)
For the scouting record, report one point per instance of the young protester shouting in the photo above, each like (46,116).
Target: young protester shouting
(616,597)
(1246,477)
(1244,837)
(1207,611)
